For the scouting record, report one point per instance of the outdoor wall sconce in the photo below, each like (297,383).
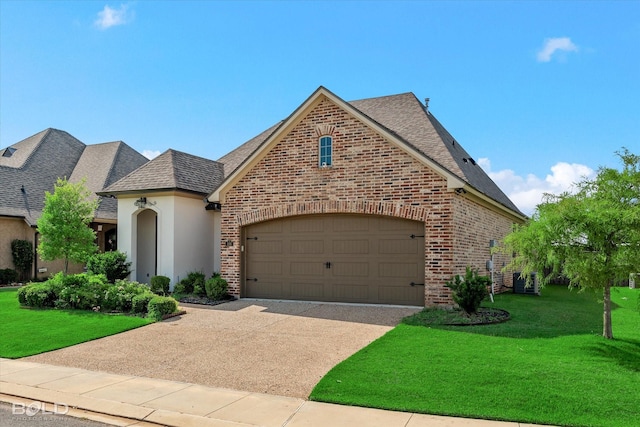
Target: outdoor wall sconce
(460,191)
(228,243)
(141,202)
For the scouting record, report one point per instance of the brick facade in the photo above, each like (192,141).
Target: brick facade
(369,175)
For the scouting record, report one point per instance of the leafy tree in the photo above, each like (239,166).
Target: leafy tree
(64,224)
(592,236)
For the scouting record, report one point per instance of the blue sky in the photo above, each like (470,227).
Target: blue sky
(541,93)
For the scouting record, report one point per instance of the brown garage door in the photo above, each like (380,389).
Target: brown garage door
(336,257)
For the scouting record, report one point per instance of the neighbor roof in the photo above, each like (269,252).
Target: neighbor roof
(172,170)
(405,120)
(36,163)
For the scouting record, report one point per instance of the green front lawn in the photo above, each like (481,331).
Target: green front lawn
(25,332)
(549,365)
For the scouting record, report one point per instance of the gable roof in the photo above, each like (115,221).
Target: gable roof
(402,120)
(38,161)
(171,170)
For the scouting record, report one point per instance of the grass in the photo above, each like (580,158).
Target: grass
(548,365)
(25,332)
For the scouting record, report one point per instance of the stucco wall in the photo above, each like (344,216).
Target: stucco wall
(11,229)
(186,238)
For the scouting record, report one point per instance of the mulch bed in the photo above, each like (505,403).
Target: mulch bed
(484,316)
(194,299)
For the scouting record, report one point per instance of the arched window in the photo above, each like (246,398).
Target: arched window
(325,151)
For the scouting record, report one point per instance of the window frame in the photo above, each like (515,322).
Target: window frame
(323,156)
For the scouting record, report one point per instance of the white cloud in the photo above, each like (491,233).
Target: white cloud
(527,192)
(552,45)
(151,154)
(109,17)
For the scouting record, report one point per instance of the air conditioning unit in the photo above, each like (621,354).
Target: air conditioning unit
(520,285)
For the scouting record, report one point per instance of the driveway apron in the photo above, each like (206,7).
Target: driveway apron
(275,347)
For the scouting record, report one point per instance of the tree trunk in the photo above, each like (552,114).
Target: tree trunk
(607,331)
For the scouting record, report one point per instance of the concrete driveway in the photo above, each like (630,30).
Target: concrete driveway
(275,347)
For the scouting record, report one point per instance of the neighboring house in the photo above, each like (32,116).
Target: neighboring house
(32,166)
(163,223)
(369,201)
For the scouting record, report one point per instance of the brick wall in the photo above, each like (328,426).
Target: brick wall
(475,226)
(369,176)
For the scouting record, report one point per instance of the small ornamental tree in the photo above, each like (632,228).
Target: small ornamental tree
(64,224)
(592,236)
(469,290)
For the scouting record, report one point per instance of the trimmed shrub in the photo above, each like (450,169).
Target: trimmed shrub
(22,253)
(216,287)
(120,295)
(159,306)
(160,285)
(194,281)
(82,291)
(8,276)
(140,303)
(38,295)
(470,290)
(112,264)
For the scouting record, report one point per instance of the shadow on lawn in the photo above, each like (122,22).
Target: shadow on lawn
(557,312)
(623,352)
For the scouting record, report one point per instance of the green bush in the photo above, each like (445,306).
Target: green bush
(470,290)
(140,303)
(112,264)
(83,291)
(8,276)
(22,253)
(216,287)
(38,295)
(194,281)
(160,285)
(160,306)
(120,295)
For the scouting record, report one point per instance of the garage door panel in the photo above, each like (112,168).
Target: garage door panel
(267,268)
(400,295)
(336,257)
(267,289)
(408,270)
(350,246)
(351,269)
(399,246)
(306,268)
(305,225)
(307,291)
(307,247)
(351,293)
(267,247)
(350,224)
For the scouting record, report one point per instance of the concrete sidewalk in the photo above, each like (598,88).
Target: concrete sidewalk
(136,401)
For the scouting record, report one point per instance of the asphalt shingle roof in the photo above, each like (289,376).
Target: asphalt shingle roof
(172,170)
(38,161)
(405,116)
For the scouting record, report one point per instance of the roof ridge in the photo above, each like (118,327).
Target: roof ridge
(384,96)
(114,160)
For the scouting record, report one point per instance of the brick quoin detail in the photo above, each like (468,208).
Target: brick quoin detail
(369,175)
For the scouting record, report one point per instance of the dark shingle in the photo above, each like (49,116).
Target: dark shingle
(172,170)
(41,159)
